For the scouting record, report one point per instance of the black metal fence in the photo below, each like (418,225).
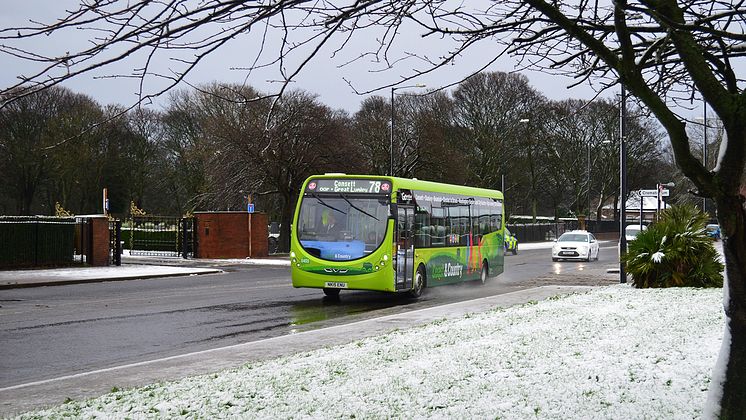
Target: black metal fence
(39,241)
(115,241)
(538,232)
(160,235)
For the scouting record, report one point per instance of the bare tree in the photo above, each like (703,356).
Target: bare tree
(258,153)
(489,108)
(370,129)
(181,173)
(29,128)
(661,50)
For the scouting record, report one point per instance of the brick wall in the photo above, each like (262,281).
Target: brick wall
(231,234)
(99,255)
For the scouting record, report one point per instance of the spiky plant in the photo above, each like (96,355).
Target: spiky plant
(675,252)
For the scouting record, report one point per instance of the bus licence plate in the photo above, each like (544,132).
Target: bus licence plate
(335,284)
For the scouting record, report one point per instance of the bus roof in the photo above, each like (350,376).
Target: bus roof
(415,184)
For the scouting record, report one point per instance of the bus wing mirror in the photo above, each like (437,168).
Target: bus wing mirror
(393,210)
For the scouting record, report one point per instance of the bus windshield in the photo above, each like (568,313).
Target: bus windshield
(338,227)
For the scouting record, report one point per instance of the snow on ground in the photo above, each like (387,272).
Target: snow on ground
(111,272)
(616,352)
(165,256)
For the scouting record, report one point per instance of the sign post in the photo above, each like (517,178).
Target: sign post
(106,201)
(658,193)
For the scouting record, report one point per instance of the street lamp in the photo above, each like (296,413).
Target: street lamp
(391,146)
(622,183)
(502,177)
(704,149)
(588,182)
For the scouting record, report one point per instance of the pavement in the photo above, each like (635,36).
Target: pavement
(143,267)
(40,394)
(132,268)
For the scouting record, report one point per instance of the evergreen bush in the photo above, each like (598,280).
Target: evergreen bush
(675,252)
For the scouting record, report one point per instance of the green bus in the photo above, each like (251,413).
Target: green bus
(394,234)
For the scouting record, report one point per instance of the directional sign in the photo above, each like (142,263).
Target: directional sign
(653,193)
(250,208)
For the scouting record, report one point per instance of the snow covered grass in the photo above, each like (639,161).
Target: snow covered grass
(615,352)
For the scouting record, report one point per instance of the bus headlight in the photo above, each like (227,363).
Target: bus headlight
(292,254)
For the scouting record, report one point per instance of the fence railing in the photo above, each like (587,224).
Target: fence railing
(537,232)
(160,235)
(115,241)
(38,241)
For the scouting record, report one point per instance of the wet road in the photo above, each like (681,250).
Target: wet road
(49,332)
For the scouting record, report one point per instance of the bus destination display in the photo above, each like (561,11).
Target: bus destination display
(353,186)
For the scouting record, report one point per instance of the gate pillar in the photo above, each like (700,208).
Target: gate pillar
(231,234)
(100,241)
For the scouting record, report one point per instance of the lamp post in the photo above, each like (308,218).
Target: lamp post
(588,181)
(622,183)
(502,177)
(391,146)
(704,153)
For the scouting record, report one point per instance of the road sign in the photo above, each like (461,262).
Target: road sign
(250,208)
(654,193)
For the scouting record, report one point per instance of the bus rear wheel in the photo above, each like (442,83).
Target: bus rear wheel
(419,283)
(331,292)
(485,272)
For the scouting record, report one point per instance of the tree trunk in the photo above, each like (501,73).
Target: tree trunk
(286,219)
(732,211)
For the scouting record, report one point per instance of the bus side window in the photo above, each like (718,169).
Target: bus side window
(464,225)
(422,237)
(437,224)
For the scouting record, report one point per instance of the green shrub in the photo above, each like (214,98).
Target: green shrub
(146,240)
(675,252)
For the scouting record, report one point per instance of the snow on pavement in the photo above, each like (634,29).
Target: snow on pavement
(110,272)
(616,352)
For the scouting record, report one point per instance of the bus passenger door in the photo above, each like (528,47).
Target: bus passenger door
(404,247)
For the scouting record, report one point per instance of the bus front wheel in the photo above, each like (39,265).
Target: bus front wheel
(485,272)
(331,292)
(419,283)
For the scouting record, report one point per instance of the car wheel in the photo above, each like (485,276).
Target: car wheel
(419,283)
(331,292)
(555,259)
(273,245)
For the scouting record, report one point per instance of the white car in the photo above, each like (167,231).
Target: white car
(631,231)
(575,245)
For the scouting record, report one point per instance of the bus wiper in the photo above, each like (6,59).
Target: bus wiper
(327,205)
(356,207)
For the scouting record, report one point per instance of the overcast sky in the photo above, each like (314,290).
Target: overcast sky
(323,76)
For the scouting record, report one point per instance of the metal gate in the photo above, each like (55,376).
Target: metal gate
(115,241)
(160,236)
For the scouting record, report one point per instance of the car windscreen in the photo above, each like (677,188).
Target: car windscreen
(573,237)
(339,227)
